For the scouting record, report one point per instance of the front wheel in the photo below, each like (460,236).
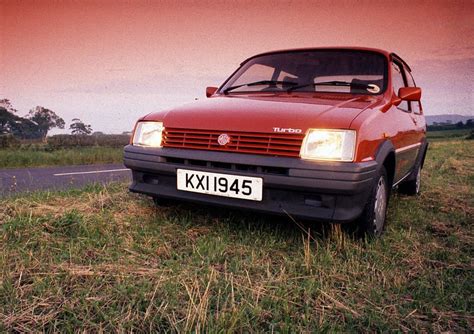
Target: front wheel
(372,221)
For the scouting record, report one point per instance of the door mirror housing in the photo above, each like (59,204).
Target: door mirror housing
(409,93)
(210,91)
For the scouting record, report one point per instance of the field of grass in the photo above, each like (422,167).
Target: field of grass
(18,158)
(102,259)
(455,134)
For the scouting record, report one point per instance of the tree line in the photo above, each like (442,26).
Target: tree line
(437,126)
(36,124)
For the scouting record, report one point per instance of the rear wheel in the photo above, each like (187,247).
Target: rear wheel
(372,221)
(412,187)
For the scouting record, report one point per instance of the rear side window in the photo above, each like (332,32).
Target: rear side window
(399,82)
(415,105)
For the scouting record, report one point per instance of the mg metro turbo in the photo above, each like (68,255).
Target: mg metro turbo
(323,134)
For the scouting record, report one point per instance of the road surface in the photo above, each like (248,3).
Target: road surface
(59,177)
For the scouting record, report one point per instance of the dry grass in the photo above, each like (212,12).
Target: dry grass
(102,260)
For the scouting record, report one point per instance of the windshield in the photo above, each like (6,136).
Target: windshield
(333,71)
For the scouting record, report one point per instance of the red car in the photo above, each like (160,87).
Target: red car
(322,134)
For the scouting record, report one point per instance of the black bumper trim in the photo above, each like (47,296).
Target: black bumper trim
(315,190)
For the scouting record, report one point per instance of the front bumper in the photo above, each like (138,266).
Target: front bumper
(325,191)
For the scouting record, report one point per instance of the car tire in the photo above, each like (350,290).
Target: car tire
(371,222)
(411,187)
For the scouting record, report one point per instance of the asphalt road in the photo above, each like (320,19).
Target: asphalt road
(59,177)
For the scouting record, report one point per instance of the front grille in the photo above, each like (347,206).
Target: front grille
(229,166)
(287,145)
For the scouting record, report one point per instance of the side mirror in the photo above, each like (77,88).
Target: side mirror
(210,91)
(410,93)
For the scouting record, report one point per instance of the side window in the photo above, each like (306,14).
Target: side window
(415,105)
(398,82)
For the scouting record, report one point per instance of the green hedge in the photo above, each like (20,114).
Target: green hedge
(66,141)
(8,141)
(471,135)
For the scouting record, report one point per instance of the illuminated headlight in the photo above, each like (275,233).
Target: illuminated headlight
(335,145)
(148,134)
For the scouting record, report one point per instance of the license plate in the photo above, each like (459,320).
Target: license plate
(226,185)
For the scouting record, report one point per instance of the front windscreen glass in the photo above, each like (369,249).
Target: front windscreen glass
(333,71)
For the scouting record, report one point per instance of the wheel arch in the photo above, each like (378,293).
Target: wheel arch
(423,156)
(420,160)
(385,157)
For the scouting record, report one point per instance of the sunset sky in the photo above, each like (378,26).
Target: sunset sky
(110,62)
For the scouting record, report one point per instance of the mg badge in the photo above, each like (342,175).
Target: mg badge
(223,139)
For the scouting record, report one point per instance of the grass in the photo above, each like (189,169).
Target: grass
(102,259)
(11,158)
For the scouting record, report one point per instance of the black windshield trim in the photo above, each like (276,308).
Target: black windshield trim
(379,53)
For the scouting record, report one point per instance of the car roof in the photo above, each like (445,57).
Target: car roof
(388,54)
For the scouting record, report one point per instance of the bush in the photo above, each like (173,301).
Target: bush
(8,141)
(471,135)
(69,141)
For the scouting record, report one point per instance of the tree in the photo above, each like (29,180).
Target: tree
(17,126)
(14,125)
(45,120)
(7,105)
(7,116)
(79,128)
(6,121)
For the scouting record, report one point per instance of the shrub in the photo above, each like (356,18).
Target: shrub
(471,135)
(69,141)
(8,141)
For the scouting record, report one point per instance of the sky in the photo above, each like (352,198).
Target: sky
(110,62)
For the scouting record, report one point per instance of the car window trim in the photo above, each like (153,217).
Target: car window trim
(386,61)
(420,109)
(405,82)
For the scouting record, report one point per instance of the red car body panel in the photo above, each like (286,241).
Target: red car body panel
(262,113)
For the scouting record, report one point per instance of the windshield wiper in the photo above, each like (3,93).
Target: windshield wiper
(261,82)
(337,83)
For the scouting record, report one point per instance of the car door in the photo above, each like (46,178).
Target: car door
(406,141)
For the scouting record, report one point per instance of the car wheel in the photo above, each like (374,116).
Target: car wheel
(372,221)
(411,187)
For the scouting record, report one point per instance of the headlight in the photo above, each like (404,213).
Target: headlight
(148,134)
(335,145)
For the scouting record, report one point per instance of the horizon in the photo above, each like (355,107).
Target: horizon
(103,60)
